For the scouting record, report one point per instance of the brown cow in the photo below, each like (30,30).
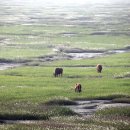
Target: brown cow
(58,72)
(78,87)
(99,68)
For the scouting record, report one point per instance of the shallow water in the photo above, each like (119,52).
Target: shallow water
(89,107)
(85,108)
(66,56)
(4,66)
(84,55)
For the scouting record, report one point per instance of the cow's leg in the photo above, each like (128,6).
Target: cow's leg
(75,89)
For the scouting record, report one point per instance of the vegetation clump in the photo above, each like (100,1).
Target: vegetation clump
(60,102)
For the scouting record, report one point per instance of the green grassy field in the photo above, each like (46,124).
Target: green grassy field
(20,41)
(25,90)
(30,36)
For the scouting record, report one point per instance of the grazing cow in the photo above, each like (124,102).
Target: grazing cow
(78,87)
(58,72)
(99,68)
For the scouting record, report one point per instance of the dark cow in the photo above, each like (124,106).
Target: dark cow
(58,72)
(99,68)
(78,87)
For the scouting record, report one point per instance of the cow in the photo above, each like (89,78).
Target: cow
(78,87)
(58,72)
(99,68)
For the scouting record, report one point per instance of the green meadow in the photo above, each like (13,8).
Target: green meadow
(26,90)
(38,39)
(22,41)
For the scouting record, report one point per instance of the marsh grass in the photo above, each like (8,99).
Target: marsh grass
(73,123)
(114,60)
(30,111)
(33,93)
(18,116)
(22,41)
(117,117)
(60,102)
(118,111)
(27,82)
(122,100)
(25,90)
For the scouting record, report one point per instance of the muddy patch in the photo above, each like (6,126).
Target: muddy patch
(89,107)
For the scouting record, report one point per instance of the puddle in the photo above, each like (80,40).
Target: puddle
(117,51)
(69,34)
(93,54)
(4,66)
(89,107)
(83,55)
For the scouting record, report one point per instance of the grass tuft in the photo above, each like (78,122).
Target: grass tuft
(57,111)
(121,100)
(6,116)
(60,102)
